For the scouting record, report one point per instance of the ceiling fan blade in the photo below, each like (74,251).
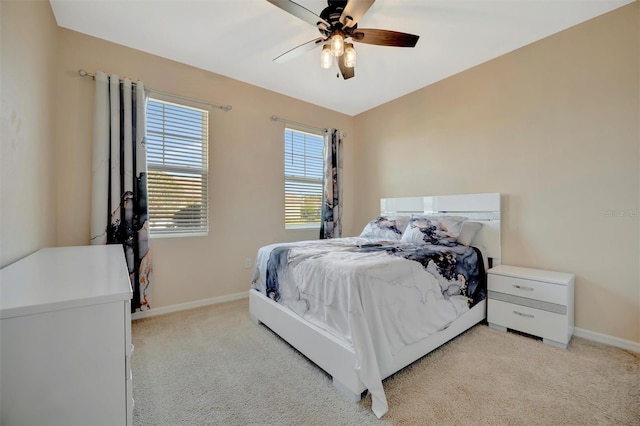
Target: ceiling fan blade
(300,12)
(346,72)
(384,37)
(299,50)
(354,10)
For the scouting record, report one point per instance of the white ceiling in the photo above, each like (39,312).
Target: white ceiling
(240,38)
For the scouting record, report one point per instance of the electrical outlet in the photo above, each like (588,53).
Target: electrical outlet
(248,263)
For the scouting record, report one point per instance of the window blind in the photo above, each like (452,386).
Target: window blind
(177,139)
(304,171)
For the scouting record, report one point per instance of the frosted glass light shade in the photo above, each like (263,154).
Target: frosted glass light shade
(326,57)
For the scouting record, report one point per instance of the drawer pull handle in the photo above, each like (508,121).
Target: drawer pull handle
(523,315)
(523,287)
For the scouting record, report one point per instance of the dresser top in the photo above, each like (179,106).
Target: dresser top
(64,277)
(552,277)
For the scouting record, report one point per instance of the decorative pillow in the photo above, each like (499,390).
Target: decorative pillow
(468,232)
(387,227)
(451,225)
(441,230)
(401,222)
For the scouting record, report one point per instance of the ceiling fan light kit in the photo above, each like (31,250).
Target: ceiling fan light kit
(337,23)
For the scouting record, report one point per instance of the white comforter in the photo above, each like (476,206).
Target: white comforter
(376,302)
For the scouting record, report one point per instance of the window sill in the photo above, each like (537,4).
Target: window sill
(180,235)
(302,227)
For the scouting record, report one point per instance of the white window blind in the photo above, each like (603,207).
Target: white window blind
(303,169)
(177,139)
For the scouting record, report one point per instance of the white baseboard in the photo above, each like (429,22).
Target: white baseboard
(607,340)
(188,305)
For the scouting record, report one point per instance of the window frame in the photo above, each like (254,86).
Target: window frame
(320,182)
(204,171)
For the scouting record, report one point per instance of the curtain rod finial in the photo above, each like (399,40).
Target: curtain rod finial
(82,73)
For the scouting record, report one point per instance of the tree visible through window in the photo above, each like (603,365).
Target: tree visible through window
(303,170)
(177,139)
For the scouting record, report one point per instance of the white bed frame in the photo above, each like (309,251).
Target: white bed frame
(337,357)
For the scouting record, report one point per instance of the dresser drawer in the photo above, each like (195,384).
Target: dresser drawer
(533,321)
(547,292)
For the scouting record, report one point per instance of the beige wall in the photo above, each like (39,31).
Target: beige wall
(246,167)
(554,128)
(27,200)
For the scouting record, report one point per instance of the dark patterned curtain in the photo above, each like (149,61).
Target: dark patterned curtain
(331,219)
(119,213)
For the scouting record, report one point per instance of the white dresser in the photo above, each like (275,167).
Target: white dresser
(65,338)
(532,301)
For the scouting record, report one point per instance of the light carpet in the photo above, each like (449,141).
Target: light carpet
(214,366)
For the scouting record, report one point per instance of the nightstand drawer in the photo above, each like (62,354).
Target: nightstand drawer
(540,323)
(547,292)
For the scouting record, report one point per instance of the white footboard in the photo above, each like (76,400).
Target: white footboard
(333,355)
(337,357)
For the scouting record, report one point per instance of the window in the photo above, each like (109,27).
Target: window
(303,172)
(177,138)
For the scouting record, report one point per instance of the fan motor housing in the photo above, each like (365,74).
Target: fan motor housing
(332,14)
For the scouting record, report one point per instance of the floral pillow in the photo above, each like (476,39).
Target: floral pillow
(387,227)
(439,230)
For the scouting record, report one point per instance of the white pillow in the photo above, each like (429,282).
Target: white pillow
(468,232)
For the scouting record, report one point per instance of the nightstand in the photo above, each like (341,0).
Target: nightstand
(532,301)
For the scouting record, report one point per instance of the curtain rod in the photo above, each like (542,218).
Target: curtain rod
(83,73)
(304,126)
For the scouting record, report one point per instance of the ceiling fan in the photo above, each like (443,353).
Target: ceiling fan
(337,24)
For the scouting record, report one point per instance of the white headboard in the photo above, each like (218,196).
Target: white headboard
(483,208)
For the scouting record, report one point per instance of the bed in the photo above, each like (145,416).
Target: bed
(364,307)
